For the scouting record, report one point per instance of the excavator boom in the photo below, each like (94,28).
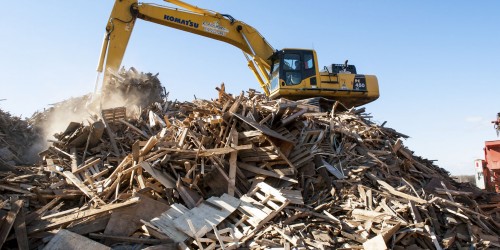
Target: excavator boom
(194,20)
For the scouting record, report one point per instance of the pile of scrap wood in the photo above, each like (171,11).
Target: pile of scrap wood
(240,172)
(128,88)
(133,87)
(17,137)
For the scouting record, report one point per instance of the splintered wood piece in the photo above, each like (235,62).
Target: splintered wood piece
(263,203)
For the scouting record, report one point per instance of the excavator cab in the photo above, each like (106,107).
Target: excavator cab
(291,68)
(295,75)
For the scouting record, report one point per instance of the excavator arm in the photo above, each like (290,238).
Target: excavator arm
(190,19)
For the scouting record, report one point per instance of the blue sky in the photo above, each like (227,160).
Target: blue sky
(436,61)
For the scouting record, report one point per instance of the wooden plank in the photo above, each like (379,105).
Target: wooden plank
(134,128)
(209,152)
(79,215)
(130,239)
(92,225)
(9,220)
(111,137)
(233,161)
(65,239)
(86,166)
(262,128)
(400,194)
(54,215)
(86,190)
(441,200)
(261,171)
(160,176)
(16,189)
(291,118)
(20,231)
(36,214)
(126,161)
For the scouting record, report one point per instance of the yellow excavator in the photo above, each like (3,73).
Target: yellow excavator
(288,73)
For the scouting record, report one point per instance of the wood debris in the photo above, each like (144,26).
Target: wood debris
(17,139)
(242,171)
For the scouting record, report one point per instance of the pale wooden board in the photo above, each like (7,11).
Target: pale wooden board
(257,214)
(375,243)
(204,216)
(66,240)
(165,222)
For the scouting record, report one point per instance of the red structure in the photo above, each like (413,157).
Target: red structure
(488,170)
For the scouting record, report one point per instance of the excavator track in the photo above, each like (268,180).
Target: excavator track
(324,104)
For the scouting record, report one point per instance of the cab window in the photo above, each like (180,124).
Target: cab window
(292,69)
(309,65)
(275,75)
(308,61)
